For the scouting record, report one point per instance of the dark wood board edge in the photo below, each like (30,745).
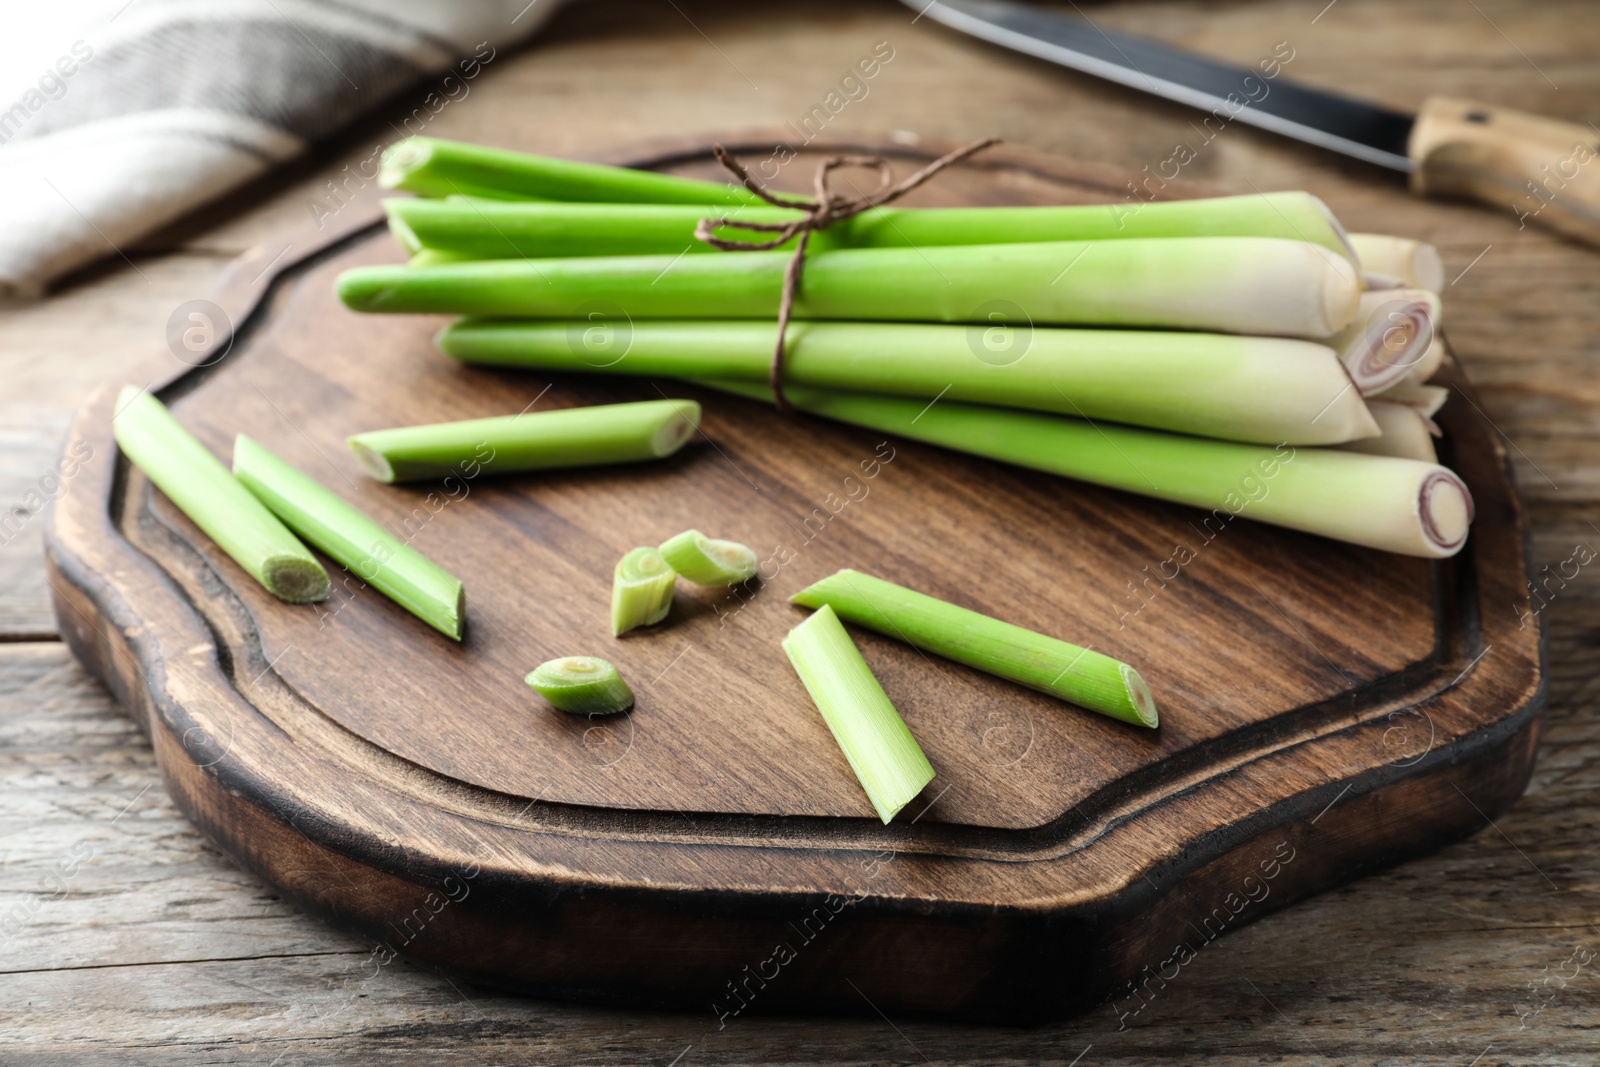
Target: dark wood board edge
(97,625)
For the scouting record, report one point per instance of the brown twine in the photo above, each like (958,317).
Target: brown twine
(821,211)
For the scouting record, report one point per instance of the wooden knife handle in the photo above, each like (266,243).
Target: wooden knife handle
(1544,170)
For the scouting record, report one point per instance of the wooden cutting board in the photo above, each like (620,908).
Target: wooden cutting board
(1326,710)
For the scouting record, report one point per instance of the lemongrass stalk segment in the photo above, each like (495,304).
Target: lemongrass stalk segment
(1432,359)
(1397,505)
(1078,675)
(509,230)
(1407,433)
(1398,262)
(641,590)
(870,732)
(581,685)
(201,487)
(541,440)
(1261,389)
(394,568)
(1389,337)
(1250,285)
(429,166)
(1427,399)
(708,561)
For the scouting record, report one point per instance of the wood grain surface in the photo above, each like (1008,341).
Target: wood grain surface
(1431,963)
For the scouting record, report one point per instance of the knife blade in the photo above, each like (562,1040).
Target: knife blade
(1451,147)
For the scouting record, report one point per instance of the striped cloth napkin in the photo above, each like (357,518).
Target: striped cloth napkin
(174,102)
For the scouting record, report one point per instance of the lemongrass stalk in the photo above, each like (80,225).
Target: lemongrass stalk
(870,732)
(581,685)
(1262,389)
(1253,285)
(394,568)
(1407,433)
(432,257)
(1427,399)
(201,487)
(708,561)
(1398,262)
(1078,675)
(1389,337)
(505,230)
(641,590)
(1397,505)
(541,440)
(429,166)
(1429,364)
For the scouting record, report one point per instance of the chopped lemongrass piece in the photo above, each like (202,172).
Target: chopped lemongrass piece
(1396,505)
(581,685)
(708,561)
(1251,285)
(201,487)
(1429,364)
(397,570)
(428,166)
(641,590)
(1398,262)
(1427,399)
(1078,675)
(876,741)
(515,230)
(1262,389)
(1389,338)
(1407,433)
(541,440)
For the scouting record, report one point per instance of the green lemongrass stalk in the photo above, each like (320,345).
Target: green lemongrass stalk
(581,685)
(1262,389)
(873,737)
(641,590)
(428,166)
(1389,339)
(1078,675)
(397,570)
(1397,505)
(1407,433)
(1398,262)
(543,440)
(1427,399)
(201,487)
(432,257)
(708,561)
(553,230)
(1255,285)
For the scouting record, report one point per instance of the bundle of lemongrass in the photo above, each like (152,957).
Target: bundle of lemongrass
(1187,351)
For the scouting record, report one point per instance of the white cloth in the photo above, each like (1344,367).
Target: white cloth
(177,101)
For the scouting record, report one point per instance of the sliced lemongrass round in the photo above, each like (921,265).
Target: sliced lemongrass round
(641,590)
(1407,433)
(1398,262)
(1389,338)
(535,440)
(339,529)
(1038,661)
(708,561)
(201,487)
(581,685)
(874,738)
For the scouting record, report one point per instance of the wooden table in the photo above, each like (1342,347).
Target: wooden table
(125,938)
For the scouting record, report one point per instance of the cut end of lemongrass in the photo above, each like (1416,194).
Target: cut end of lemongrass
(371,460)
(455,626)
(1446,509)
(675,433)
(875,740)
(581,685)
(1144,704)
(1398,262)
(1391,337)
(401,159)
(708,561)
(296,580)
(641,590)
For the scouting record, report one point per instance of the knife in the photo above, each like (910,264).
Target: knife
(1543,169)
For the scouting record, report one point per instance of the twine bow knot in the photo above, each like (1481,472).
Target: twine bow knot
(818,213)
